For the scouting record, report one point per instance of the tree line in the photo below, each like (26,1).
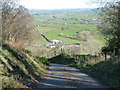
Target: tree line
(110,27)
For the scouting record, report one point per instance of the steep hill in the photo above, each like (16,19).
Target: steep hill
(20,68)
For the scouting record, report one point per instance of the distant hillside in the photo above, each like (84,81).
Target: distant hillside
(52,11)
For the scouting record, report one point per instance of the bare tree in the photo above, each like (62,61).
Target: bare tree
(15,22)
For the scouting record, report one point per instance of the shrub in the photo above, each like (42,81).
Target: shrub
(62,59)
(43,60)
(27,51)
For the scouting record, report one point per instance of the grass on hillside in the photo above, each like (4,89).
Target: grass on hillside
(20,67)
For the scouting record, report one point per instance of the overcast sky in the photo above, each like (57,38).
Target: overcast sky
(58,4)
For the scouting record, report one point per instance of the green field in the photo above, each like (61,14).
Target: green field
(53,23)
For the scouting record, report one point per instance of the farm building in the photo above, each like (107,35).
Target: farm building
(56,41)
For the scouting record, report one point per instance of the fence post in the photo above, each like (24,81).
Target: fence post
(76,57)
(84,57)
(55,53)
(105,56)
(79,59)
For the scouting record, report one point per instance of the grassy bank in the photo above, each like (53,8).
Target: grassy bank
(19,68)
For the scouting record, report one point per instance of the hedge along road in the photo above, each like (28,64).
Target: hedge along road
(64,76)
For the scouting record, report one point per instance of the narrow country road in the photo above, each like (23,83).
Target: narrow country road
(63,76)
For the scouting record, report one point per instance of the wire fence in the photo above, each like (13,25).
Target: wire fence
(78,57)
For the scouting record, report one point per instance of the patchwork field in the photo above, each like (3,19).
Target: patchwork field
(65,23)
(72,27)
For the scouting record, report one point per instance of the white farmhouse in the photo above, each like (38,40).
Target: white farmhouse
(56,41)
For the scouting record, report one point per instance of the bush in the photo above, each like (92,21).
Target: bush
(62,59)
(27,51)
(43,60)
(82,67)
